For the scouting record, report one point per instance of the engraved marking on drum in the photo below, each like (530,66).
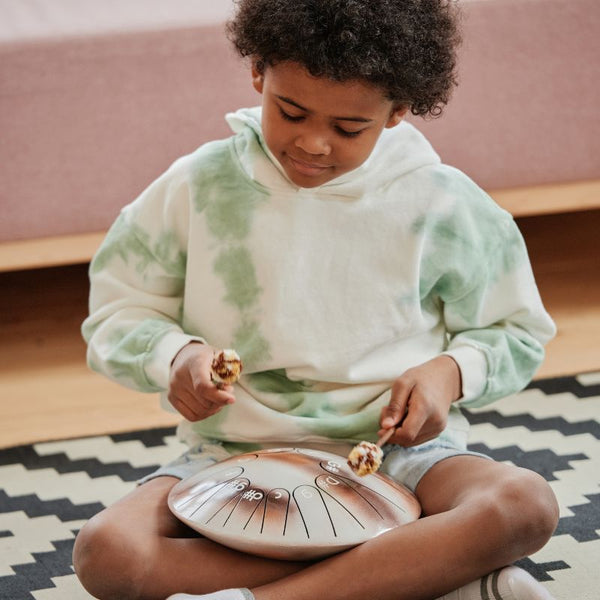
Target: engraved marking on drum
(192,493)
(257,497)
(335,514)
(313,511)
(253,495)
(349,497)
(195,503)
(332,466)
(236,503)
(332,492)
(238,484)
(187,500)
(275,513)
(227,489)
(318,507)
(244,509)
(363,490)
(232,493)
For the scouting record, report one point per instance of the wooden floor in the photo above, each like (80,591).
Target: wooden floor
(47,392)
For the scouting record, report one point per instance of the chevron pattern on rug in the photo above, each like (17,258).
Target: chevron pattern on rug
(48,490)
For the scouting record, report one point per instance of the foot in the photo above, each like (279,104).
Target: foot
(510,583)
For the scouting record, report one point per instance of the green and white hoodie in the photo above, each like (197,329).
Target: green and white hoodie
(328,294)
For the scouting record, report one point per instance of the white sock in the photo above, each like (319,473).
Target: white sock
(232,594)
(510,583)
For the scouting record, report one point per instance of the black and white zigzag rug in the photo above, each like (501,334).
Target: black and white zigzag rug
(48,490)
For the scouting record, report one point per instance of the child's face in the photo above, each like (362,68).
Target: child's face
(317,128)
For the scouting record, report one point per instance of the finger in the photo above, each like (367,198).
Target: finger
(219,397)
(208,406)
(431,429)
(197,402)
(394,412)
(205,387)
(195,409)
(208,396)
(425,436)
(209,412)
(225,387)
(385,430)
(183,409)
(199,405)
(409,433)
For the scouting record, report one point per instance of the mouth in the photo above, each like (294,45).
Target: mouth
(307,168)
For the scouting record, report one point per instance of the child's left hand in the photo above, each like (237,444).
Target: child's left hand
(421,399)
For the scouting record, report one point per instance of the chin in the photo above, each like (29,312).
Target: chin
(304,181)
(309,184)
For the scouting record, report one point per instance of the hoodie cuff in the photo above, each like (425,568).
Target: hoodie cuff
(473,369)
(158,362)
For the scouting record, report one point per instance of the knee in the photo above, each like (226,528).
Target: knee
(525,506)
(107,562)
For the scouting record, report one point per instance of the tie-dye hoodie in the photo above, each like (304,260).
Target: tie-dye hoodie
(328,294)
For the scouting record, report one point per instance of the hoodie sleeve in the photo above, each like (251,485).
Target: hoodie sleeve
(480,274)
(134,327)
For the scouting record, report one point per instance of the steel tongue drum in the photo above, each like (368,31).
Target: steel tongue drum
(290,503)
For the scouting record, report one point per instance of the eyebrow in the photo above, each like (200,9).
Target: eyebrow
(354,119)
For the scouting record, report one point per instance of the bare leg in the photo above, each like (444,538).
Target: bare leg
(137,549)
(479,516)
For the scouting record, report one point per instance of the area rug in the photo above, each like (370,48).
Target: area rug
(48,490)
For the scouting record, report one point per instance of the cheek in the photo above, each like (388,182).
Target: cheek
(355,153)
(268,123)
(274,134)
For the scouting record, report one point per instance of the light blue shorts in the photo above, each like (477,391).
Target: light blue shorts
(404,465)
(408,465)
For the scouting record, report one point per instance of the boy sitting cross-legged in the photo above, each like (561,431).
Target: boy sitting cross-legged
(366,286)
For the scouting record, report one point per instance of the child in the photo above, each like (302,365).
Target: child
(365,285)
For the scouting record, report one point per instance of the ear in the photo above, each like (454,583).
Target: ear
(396,116)
(258,78)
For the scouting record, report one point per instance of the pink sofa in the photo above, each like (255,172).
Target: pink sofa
(98,98)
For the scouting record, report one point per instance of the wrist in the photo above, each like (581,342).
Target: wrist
(453,373)
(189,347)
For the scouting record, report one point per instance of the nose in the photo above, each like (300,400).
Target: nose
(313,142)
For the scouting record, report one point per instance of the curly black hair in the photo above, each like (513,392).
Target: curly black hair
(407,48)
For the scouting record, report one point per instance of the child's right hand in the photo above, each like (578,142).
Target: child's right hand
(191,389)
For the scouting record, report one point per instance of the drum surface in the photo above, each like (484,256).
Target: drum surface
(290,503)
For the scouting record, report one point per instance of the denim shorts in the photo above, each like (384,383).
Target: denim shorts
(408,465)
(404,465)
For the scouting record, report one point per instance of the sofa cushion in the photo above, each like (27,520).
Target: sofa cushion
(98,98)
(525,111)
(93,107)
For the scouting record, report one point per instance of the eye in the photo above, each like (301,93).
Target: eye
(349,134)
(288,117)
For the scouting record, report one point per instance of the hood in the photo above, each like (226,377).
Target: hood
(398,151)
